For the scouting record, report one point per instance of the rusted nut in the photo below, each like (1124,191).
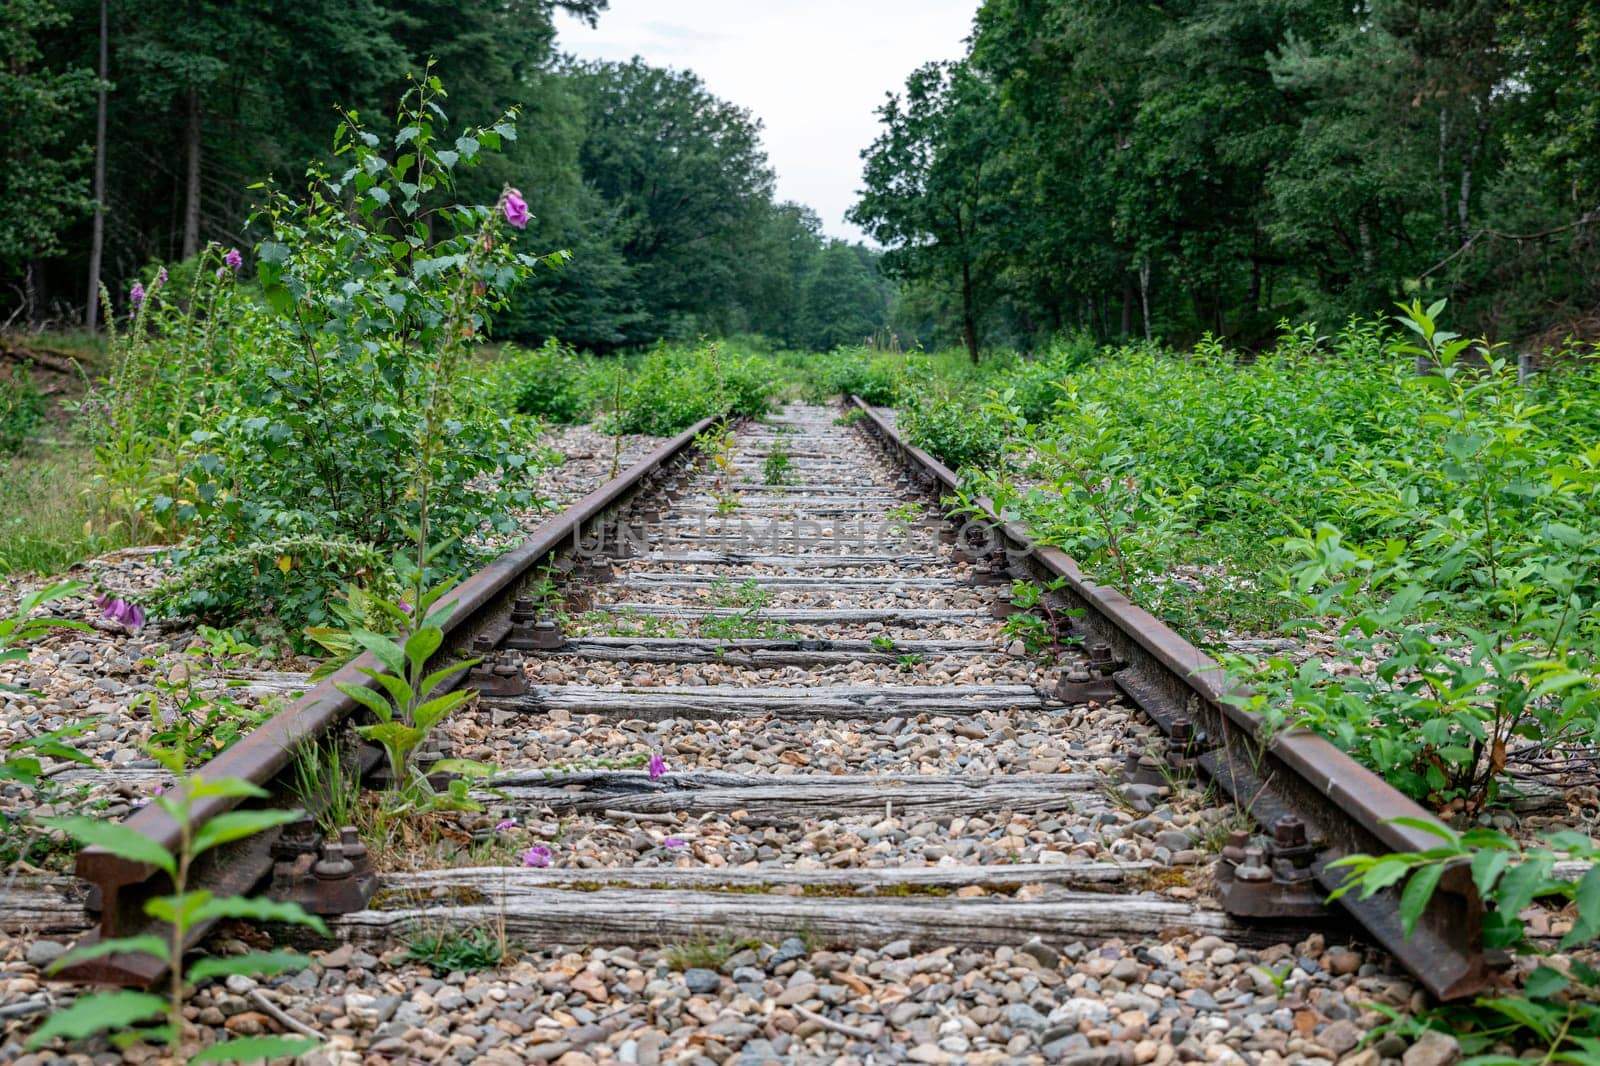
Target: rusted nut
(1233,851)
(1254,867)
(299,837)
(333,866)
(547,635)
(354,850)
(1101,659)
(1289,832)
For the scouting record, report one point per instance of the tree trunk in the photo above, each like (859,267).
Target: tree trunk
(91,311)
(1144,295)
(191,206)
(969,324)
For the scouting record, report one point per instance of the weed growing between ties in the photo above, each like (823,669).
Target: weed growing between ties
(134,1016)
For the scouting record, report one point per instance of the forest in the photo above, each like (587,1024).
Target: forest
(662,192)
(1133,169)
(1120,169)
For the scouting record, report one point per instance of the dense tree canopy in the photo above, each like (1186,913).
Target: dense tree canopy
(662,192)
(1219,165)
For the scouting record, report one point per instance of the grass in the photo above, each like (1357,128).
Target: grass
(45,517)
(469,950)
(706,954)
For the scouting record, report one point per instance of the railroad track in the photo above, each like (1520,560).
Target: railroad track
(853,752)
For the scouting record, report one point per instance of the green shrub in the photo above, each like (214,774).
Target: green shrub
(325,455)
(673,388)
(953,427)
(875,377)
(21,409)
(551,382)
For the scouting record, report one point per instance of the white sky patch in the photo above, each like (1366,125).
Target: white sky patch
(813,71)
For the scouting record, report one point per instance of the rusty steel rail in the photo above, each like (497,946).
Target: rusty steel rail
(120,888)
(1321,803)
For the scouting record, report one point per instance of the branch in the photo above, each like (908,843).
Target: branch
(1588,218)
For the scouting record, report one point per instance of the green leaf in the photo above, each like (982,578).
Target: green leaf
(396,735)
(1430,827)
(422,644)
(121,841)
(1418,891)
(253,964)
(367,698)
(443,674)
(1382,874)
(1518,886)
(430,713)
(98,1012)
(1487,866)
(258,910)
(1545,982)
(251,1048)
(149,944)
(383,649)
(231,787)
(236,825)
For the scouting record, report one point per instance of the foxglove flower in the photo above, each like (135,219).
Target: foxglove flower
(657,767)
(120,610)
(161,279)
(516,209)
(537,856)
(233,260)
(136,294)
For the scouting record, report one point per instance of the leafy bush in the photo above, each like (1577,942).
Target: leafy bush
(951,426)
(308,475)
(551,382)
(673,388)
(21,409)
(875,377)
(1440,527)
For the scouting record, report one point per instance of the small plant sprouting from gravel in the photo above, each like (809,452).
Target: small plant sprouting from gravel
(450,950)
(706,954)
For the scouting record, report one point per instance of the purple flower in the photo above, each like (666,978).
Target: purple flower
(161,279)
(233,260)
(136,294)
(538,856)
(516,209)
(504,824)
(657,767)
(221,273)
(120,610)
(674,842)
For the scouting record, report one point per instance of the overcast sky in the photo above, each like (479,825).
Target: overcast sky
(813,71)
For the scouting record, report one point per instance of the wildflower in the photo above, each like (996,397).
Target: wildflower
(515,208)
(657,767)
(136,294)
(536,856)
(504,824)
(144,801)
(161,279)
(233,260)
(674,842)
(120,610)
